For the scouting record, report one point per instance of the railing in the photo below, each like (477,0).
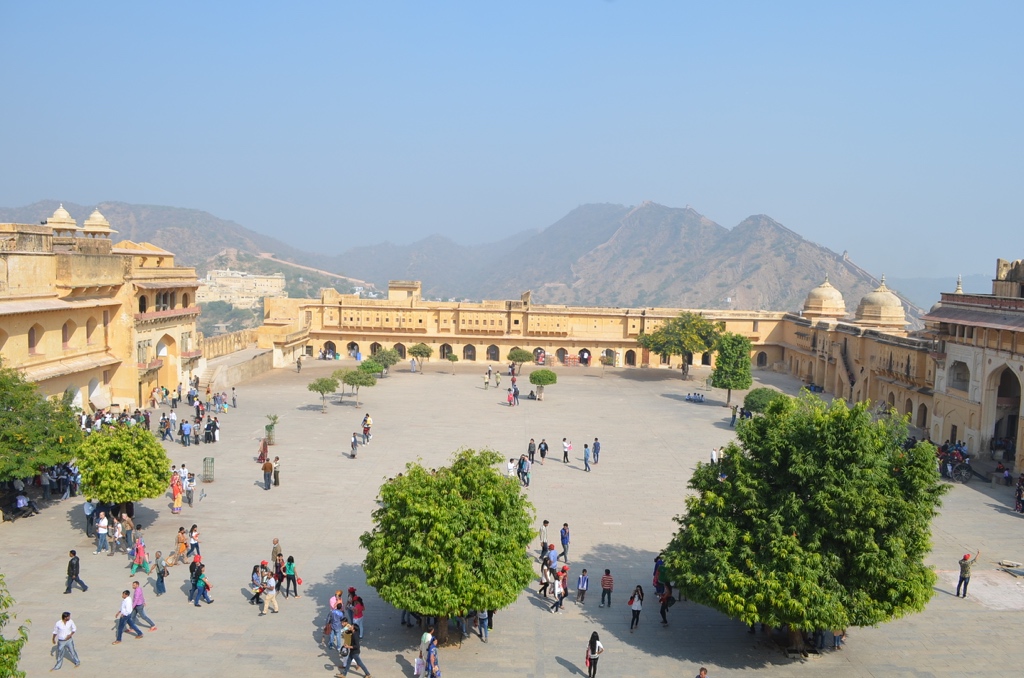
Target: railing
(169,313)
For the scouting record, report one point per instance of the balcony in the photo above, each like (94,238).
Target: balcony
(191,355)
(169,313)
(151,365)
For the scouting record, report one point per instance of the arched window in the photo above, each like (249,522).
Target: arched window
(492,353)
(35,337)
(469,352)
(67,332)
(174,299)
(90,328)
(3,339)
(401,350)
(631,358)
(142,303)
(446,350)
(959,376)
(762,359)
(922,416)
(184,300)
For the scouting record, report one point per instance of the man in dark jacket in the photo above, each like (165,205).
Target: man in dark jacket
(73,569)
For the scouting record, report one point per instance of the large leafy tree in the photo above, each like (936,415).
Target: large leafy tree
(759,399)
(732,364)
(542,378)
(325,386)
(123,463)
(685,335)
(422,353)
(371,366)
(10,648)
(519,356)
(34,431)
(358,378)
(450,540)
(818,519)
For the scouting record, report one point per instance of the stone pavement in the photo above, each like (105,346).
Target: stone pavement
(620,516)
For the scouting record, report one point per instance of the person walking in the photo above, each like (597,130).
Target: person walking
(353,652)
(607,585)
(234,399)
(269,596)
(586,458)
(566,447)
(64,638)
(481,622)
(124,618)
(531,450)
(139,606)
(561,589)
(139,559)
(102,525)
(181,546)
(582,584)
(268,471)
(193,541)
(73,571)
(636,604)
(965,572)
(594,650)
(160,587)
(487,381)
(433,667)
(543,449)
(203,587)
(667,600)
(277,471)
(276,551)
(564,535)
(597,450)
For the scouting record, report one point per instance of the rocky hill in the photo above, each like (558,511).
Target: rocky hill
(612,255)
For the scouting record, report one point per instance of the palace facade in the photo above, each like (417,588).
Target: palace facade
(106,322)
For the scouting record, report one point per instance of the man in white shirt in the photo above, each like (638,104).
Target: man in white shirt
(64,639)
(124,617)
(101,534)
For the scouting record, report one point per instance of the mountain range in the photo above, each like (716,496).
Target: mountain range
(598,254)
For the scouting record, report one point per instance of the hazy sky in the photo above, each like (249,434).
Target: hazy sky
(893,130)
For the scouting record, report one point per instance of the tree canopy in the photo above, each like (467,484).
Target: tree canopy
(687,334)
(519,356)
(371,366)
(542,378)
(819,519)
(388,357)
(450,540)
(123,463)
(10,648)
(732,364)
(34,431)
(325,386)
(422,353)
(357,378)
(759,399)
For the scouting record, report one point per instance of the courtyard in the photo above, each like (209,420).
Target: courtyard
(620,515)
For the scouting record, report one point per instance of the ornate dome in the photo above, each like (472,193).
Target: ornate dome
(97,224)
(825,301)
(881,308)
(61,221)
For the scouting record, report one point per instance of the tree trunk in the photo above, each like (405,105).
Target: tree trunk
(540,393)
(357,396)
(728,397)
(441,630)
(323,404)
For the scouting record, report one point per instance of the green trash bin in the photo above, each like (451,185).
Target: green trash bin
(207,469)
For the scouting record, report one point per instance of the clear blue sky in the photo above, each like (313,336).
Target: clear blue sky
(893,130)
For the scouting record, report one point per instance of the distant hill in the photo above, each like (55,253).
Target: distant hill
(599,254)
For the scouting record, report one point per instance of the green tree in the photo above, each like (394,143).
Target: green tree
(325,386)
(542,378)
(388,357)
(450,540)
(422,353)
(819,519)
(683,336)
(357,378)
(371,366)
(452,358)
(10,649)
(519,356)
(759,399)
(123,463)
(34,431)
(339,374)
(732,364)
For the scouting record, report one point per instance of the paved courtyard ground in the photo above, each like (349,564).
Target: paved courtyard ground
(620,515)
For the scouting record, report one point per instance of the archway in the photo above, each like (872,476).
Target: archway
(908,408)
(330,349)
(584,356)
(705,358)
(922,416)
(167,352)
(469,352)
(375,348)
(76,395)
(352,348)
(892,399)
(561,354)
(401,350)
(539,355)
(1007,405)
(492,353)
(446,350)
(959,376)
(630,358)
(762,359)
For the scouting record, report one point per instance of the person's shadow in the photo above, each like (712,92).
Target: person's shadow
(570,666)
